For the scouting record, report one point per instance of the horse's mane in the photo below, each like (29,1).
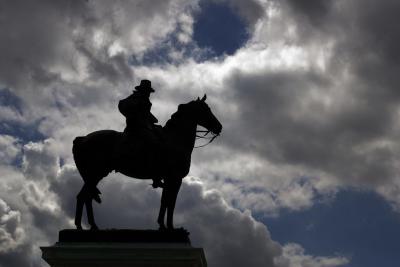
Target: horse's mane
(179,115)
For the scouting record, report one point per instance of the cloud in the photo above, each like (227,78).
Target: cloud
(83,39)
(211,220)
(293,255)
(39,162)
(350,126)
(11,234)
(309,105)
(10,149)
(14,247)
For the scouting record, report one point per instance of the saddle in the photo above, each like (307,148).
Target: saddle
(140,153)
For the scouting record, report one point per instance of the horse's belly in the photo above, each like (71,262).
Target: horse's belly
(138,171)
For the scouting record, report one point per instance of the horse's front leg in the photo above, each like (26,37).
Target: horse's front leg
(173,193)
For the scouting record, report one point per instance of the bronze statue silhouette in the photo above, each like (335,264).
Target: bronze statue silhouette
(140,125)
(142,151)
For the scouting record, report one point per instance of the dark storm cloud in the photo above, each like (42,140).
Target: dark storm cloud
(367,36)
(372,47)
(283,113)
(110,69)
(32,35)
(46,41)
(20,257)
(313,10)
(277,126)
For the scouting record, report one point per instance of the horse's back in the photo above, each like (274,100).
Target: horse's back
(102,140)
(93,153)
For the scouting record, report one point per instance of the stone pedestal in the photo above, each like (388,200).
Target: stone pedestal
(123,248)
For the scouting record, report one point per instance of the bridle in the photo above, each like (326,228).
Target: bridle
(204,136)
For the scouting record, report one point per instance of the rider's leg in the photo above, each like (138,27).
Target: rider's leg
(156,157)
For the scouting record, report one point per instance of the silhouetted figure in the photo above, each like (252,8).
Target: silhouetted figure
(141,133)
(143,151)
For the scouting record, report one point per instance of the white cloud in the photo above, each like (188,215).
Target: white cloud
(293,255)
(9,149)
(11,233)
(39,161)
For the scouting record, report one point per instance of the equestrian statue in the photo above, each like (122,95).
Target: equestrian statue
(144,150)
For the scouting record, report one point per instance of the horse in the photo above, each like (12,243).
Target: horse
(93,156)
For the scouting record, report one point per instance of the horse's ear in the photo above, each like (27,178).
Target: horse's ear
(198,99)
(204,98)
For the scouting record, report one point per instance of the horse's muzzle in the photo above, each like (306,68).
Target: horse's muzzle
(218,129)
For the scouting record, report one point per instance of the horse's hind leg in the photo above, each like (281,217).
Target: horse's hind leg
(89,212)
(80,201)
(91,193)
(85,197)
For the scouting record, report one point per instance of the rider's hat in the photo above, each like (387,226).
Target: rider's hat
(145,86)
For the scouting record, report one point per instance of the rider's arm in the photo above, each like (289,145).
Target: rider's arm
(129,106)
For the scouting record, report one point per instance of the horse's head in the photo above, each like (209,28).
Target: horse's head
(191,114)
(205,117)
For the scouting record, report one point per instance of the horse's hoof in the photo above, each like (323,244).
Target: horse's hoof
(78,227)
(181,229)
(94,228)
(162,227)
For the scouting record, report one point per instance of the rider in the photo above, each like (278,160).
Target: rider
(140,122)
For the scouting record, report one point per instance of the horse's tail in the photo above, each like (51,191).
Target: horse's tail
(81,164)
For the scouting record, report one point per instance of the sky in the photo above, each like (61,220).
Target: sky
(305,172)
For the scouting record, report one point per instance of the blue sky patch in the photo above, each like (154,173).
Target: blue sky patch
(359,225)
(218,30)
(218,27)
(7,98)
(25,132)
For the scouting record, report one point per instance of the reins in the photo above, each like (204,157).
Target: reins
(204,136)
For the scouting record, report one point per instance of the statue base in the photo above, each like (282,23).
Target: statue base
(123,248)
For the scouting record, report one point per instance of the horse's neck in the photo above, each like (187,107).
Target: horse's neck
(182,133)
